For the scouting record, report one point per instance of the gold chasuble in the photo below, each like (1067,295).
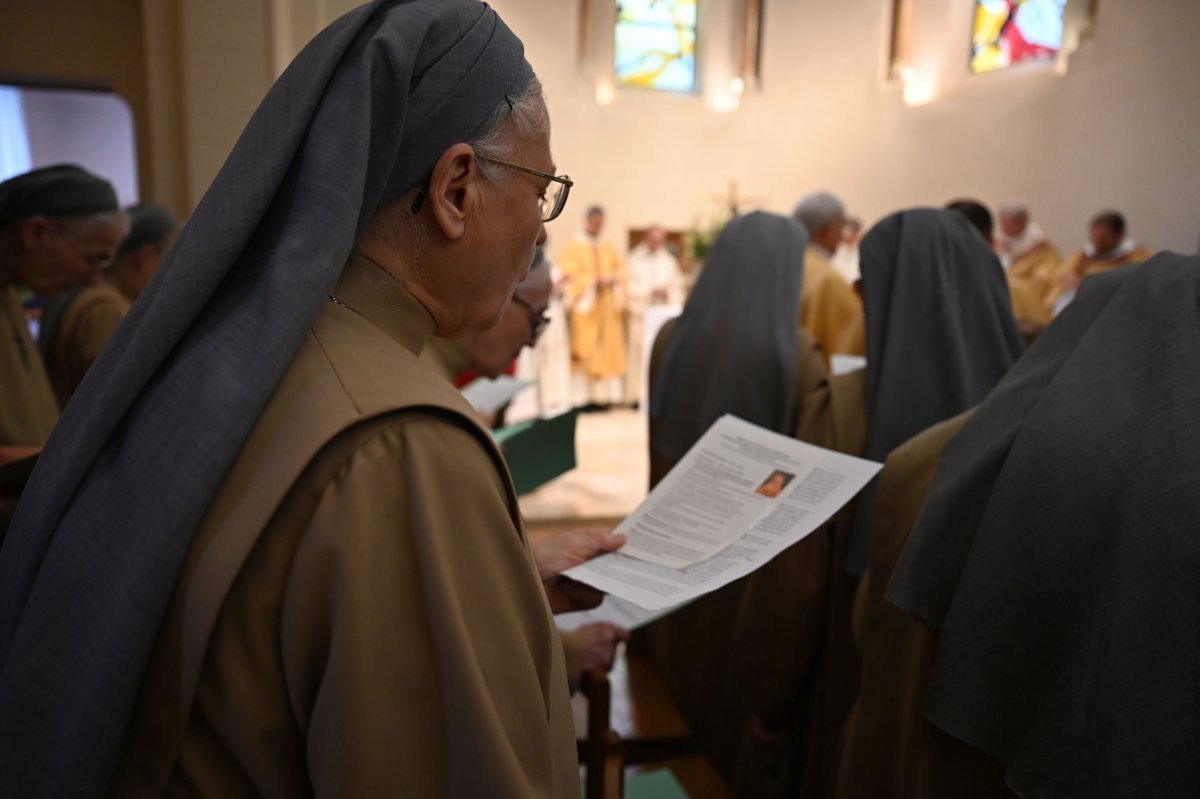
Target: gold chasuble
(28,410)
(1029,280)
(359,613)
(830,310)
(1080,265)
(595,288)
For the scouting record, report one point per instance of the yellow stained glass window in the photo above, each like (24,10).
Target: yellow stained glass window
(656,44)
(1009,32)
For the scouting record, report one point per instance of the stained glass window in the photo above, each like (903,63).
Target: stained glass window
(1009,32)
(656,44)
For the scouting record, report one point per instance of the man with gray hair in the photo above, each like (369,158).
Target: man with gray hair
(830,310)
(1032,264)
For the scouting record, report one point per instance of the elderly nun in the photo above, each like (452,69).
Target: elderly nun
(268,551)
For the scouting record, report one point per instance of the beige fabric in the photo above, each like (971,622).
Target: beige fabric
(795,665)
(87,325)
(888,746)
(596,315)
(829,308)
(359,614)
(693,648)
(28,410)
(1078,265)
(450,358)
(1030,278)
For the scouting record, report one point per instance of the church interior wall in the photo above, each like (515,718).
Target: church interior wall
(1114,130)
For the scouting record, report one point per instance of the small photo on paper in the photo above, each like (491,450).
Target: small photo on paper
(773,486)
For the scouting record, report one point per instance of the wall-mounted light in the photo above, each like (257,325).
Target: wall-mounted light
(919,89)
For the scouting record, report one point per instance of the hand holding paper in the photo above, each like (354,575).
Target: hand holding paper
(556,553)
(739,497)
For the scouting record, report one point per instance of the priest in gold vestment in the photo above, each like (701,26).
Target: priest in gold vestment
(595,293)
(1108,247)
(830,310)
(1031,262)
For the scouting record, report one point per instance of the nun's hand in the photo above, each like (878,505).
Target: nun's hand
(556,553)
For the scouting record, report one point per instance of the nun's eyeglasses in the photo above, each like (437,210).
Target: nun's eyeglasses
(550,207)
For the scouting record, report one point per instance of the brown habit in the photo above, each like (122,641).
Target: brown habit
(693,647)
(28,410)
(795,660)
(87,325)
(359,614)
(889,749)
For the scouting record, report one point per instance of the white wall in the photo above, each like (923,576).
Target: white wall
(1117,130)
(92,129)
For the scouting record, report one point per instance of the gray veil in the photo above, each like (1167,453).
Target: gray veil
(1058,554)
(940,335)
(93,554)
(734,348)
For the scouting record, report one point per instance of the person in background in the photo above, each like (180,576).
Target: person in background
(1054,564)
(830,309)
(845,258)
(1108,247)
(59,226)
(595,293)
(79,322)
(940,334)
(654,278)
(1031,261)
(740,328)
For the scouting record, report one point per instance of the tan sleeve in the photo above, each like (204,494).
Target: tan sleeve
(419,652)
(887,744)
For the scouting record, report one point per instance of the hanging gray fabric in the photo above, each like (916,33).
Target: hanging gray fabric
(1057,551)
(734,348)
(95,548)
(940,335)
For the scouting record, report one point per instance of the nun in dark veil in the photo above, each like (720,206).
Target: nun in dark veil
(1057,556)
(267,551)
(738,348)
(940,334)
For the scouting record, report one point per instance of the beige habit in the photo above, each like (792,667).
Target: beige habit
(805,596)
(359,614)
(28,409)
(693,648)
(889,749)
(86,326)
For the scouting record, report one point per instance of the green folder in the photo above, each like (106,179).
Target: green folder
(660,784)
(538,450)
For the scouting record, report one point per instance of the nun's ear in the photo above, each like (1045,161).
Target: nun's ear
(454,189)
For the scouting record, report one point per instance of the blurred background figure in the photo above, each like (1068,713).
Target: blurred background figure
(595,292)
(654,278)
(1108,246)
(77,323)
(830,309)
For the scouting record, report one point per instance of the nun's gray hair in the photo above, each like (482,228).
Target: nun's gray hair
(508,126)
(818,209)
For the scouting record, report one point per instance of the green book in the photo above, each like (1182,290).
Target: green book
(538,450)
(660,784)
